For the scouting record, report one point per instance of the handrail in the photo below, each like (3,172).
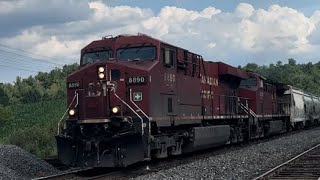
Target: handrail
(114,91)
(75,96)
(246,108)
(148,157)
(138,106)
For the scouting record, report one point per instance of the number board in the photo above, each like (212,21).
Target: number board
(73,85)
(137,80)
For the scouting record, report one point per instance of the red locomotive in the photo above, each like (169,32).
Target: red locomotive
(135,98)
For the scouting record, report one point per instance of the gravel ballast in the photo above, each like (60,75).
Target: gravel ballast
(16,163)
(244,163)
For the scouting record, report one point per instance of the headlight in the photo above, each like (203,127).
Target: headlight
(115,109)
(72,112)
(101,69)
(101,75)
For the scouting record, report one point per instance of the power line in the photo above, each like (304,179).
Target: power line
(25,61)
(31,53)
(15,59)
(31,57)
(23,65)
(1,65)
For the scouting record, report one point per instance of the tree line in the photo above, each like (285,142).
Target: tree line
(43,86)
(305,76)
(52,85)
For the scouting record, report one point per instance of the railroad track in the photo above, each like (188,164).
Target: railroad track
(88,174)
(303,166)
(74,174)
(147,167)
(55,162)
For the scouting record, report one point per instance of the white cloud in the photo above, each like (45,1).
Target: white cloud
(55,47)
(10,6)
(212,45)
(244,10)
(283,28)
(176,20)
(315,18)
(23,40)
(119,14)
(18,15)
(237,37)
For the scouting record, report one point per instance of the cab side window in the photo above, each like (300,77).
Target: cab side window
(168,56)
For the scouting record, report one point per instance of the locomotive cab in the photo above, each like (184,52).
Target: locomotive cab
(107,122)
(262,94)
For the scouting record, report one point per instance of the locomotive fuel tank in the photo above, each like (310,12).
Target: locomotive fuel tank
(205,137)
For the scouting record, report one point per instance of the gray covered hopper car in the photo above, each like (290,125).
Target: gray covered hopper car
(304,108)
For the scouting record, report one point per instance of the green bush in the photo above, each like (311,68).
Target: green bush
(6,116)
(34,126)
(30,109)
(36,140)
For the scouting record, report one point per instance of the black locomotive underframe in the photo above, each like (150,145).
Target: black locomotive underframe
(128,145)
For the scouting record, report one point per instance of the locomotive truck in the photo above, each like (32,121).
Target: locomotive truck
(135,98)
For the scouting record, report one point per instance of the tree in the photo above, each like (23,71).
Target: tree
(291,61)
(43,86)
(304,76)
(251,67)
(4,97)
(5,115)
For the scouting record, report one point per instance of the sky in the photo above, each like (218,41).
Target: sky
(37,35)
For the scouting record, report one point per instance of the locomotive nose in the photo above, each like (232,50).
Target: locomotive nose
(93,101)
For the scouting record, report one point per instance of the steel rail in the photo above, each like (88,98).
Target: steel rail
(81,174)
(111,175)
(285,163)
(64,175)
(140,169)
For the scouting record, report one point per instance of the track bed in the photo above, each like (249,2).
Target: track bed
(304,166)
(244,161)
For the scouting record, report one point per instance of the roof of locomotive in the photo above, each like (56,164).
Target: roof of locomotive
(226,69)
(108,41)
(256,75)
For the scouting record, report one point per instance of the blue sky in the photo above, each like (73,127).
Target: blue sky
(305,6)
(52,32)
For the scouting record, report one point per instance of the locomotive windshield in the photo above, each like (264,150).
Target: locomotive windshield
(137,53)
(91,57)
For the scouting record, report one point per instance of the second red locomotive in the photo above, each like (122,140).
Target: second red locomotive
(135,98)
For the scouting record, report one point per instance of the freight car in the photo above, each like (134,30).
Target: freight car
(305,108)
(135,98)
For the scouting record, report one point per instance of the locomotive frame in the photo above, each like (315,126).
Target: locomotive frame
(135,98)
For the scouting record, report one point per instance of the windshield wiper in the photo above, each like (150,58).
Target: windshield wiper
(135,59)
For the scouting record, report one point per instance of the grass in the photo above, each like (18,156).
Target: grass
(34,126)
